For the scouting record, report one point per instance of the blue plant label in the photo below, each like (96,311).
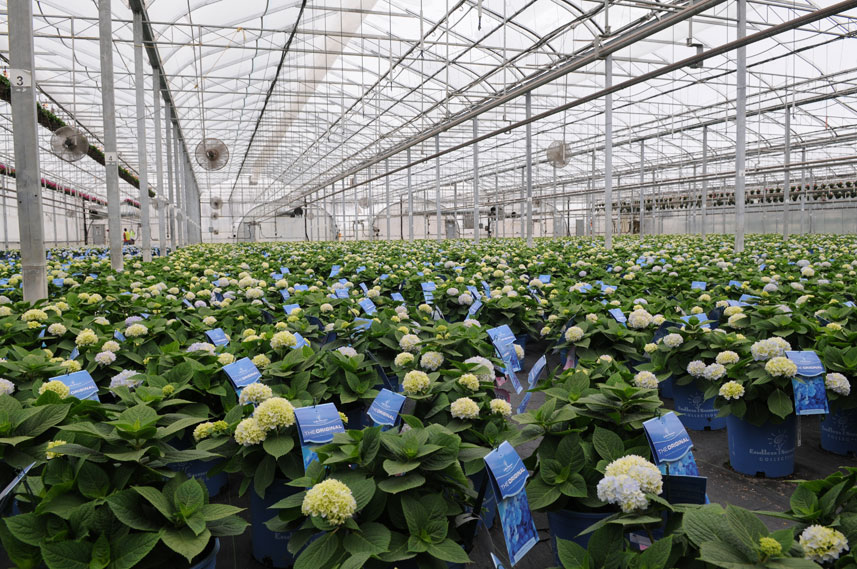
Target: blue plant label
(762,267)
(397,296)
(536,371)
(218,296)
(504,342)
(513,377)
(384,276)
(474,292)
(849,303)
(361,324)
(187,303)
(486,288)
(507,470)
(242,373)
(368,306)
(317,425)
(289,308)
(748,298)
(618,316)
(585,287)
(698,285)
(604,287)
(80,385)
(217,337)
(670,444)
(74,353)
(807,361)
(301,287)
(508,475)
(285,270)
(701,318)
(341,293)
(360,269)
(334,270)
(285,294)
(58,282)
(118,336)
(42,332)
(385,409)
(428,297)
(301,341)
(546,279)
(365,288)
(474,308)
(420,273)
(436,314)
(736,284)
(428,286)
(343,281)
(276,276)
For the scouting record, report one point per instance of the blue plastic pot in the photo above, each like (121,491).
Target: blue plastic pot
(839,432)
(521,340)
(567,525)
(210,560)
(269,547)
(768,450)
(666,387)
(694,411)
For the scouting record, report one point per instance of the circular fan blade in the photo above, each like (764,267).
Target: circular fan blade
(212,154)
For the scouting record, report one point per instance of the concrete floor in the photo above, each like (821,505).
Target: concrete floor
(712,455)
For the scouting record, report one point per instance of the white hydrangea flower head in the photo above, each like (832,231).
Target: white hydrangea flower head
(714,371)
(469,381)
(431,360)
(646,380)
(574,333)
(274,412)
(331,500)
(780,366)
(727,357)
(347,351)
(485,371)
(415,382)
(696,368)
(283,339)
(639,318)
(501,407)
(255,393)
(6,387)
(403,359)
(822,544)
(673,340)
(838,383)
(731,390)
(409,343)
(464,408)
(249,432)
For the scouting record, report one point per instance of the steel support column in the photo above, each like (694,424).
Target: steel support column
(787,158)
(803,192)
(642,181)
(410,199)
(108,111)
(26,142)
(475,182)
(741,128)
(529,167)
(143,173)
(437,186)
(389,201)
(159,172)
(704,179)
(168,139)
(608,154)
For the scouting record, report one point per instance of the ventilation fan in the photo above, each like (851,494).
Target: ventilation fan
(212,154)
(69,144)
(363,202)
(216,203)
(556,154)
(214,215)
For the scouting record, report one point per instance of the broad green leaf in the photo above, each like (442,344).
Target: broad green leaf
(448,550)
(27,527)
(129,550)
(184,542)
(397,484)
(189,497)
(126,506)
(571,555)
(264,475)
(100,553)
(278,445)
(154,497)
(67,554)
(319,553)
(780,404)
(540,494)
(608,444)
(213,512)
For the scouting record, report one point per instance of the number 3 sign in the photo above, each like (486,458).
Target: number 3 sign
(21,78)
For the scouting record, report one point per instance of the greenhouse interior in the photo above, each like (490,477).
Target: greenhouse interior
(428,284)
